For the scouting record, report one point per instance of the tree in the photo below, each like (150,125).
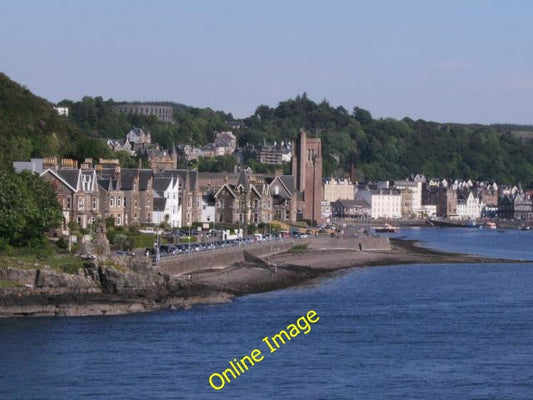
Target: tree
(362,116)
(28,208)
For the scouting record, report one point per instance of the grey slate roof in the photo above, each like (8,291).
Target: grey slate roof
(161,183)
(352,203)
(70,176)
(159,203)
(288,181)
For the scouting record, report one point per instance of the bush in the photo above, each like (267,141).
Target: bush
(4,246)
(121,241)
(62,243)
(298,248)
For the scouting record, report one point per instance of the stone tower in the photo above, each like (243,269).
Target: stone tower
(307,172)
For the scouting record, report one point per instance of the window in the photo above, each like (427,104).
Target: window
(124,203)
(69,203)
(112,202)
(119,201)
(95,203)
(81,203)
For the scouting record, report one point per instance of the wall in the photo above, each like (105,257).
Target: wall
(222,258)
(219,258)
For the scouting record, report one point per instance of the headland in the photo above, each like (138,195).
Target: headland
(126,284)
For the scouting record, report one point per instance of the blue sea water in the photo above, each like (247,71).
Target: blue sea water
(397,332)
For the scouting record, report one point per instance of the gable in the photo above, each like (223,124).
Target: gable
(51,176)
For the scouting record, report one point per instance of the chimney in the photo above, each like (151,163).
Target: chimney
(50,162)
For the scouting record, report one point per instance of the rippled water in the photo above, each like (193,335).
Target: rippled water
(402,332)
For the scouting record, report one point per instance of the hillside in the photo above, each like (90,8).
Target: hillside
(388,148)
(378,148)
(30,127)
(95,117)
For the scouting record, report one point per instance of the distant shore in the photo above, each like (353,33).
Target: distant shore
(100,290)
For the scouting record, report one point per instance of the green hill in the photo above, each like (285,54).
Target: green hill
(30,127)
(378,148)
(392,149)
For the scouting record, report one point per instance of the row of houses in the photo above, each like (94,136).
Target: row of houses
(182,197)
(175,197)
(419,198)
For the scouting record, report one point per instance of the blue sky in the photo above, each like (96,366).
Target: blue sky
(457,61)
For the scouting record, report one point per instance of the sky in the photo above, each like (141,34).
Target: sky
(448,61)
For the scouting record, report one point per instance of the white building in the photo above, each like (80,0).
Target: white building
(384,203)
(63,111)
(208,209)
(167,205)
(469,206)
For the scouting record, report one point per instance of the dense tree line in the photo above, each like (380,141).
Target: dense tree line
(389,149)
(379,148)
(96,118)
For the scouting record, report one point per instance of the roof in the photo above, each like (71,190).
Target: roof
(159,203)
(71,176)
(215,179)
(34,165)
(352,203)
(243,180)
(127,177)
(288,181)
(161,183)
(144,178)
(105,184)
(55,175)
(188,177)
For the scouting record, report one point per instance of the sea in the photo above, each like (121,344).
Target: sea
(447,331)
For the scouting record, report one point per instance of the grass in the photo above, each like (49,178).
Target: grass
(298,248)
(35,258)
(8,284)
(135,240)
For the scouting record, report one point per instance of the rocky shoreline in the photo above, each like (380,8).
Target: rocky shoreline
(101,289)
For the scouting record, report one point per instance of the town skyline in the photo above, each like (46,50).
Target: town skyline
(451,62)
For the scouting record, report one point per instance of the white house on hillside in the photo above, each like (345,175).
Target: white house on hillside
(167,205)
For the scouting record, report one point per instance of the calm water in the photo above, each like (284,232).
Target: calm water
(404,332)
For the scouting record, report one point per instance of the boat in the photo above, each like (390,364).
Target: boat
(387,228)
(524,228)
(490,225)
(447,223)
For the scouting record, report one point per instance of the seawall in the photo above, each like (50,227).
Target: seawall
(184,264)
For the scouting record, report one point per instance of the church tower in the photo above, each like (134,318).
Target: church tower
(307,172)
